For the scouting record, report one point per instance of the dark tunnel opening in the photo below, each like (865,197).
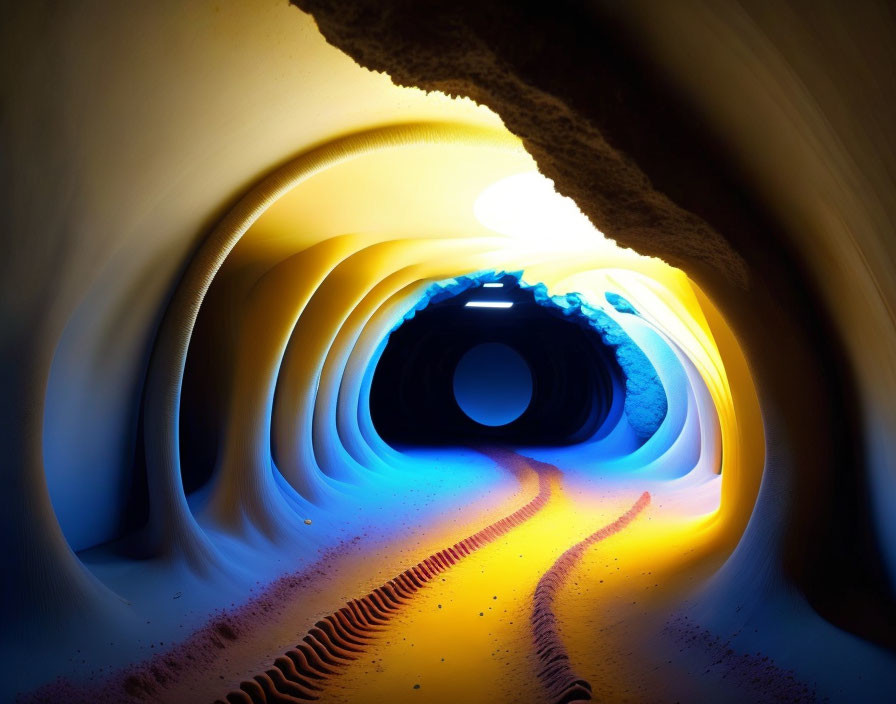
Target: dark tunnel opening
(574,374)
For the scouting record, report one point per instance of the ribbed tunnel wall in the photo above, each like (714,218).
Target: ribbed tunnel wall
(214,219)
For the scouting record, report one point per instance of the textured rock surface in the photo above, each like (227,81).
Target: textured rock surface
(527,65)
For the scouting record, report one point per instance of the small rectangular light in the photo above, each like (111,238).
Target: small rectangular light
(489,304)
(493,285)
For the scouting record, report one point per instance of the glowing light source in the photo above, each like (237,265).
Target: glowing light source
(527,207)
(489,304)
(493,285)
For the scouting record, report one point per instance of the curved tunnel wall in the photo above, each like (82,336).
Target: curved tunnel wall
(312,328)
(289,324)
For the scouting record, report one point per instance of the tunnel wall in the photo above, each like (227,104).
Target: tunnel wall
(82,127)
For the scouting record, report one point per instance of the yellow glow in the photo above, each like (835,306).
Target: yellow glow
(484,600)
(481,608)
(527,207)
(474,196)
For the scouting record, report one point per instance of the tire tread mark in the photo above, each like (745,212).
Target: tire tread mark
(340,637)
(555,672)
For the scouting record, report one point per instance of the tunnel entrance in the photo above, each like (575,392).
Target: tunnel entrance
(492,363)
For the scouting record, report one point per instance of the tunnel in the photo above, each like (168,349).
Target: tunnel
(448,352)
(491,364)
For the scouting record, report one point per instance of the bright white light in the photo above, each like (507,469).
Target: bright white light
(489,304)
(527,207)
(493,285)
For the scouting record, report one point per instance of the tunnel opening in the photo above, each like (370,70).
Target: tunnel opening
(433,383)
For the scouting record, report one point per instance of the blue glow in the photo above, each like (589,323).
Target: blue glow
(645,398)
(619,303)
(492,384)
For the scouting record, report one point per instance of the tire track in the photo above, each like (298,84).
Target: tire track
(302,673)
(556,674)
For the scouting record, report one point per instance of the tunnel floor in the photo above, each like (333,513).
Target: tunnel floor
(501,575)
(547,589)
